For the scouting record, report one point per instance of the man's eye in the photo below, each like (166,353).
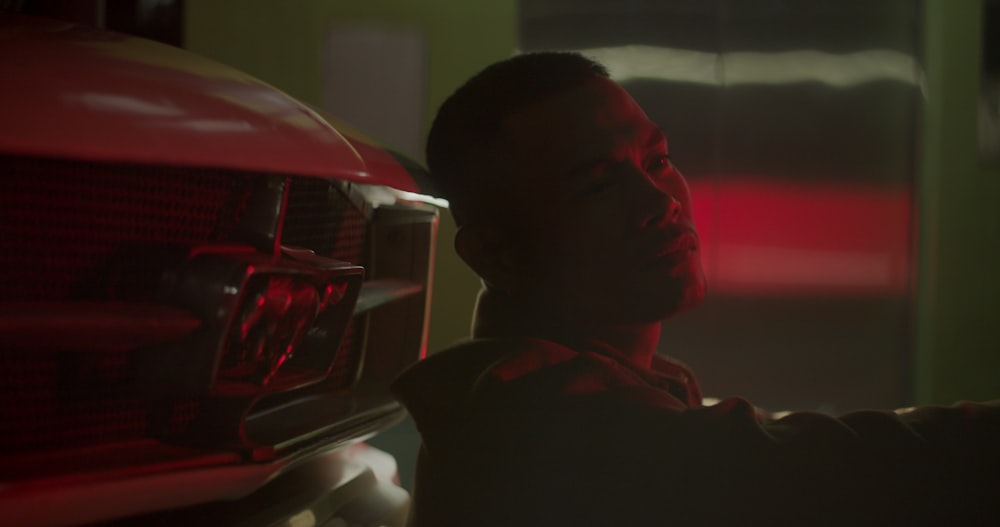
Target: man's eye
(659,163)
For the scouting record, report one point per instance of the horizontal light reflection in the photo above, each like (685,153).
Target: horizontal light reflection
(226,126)
(793,266)
(636,62)
(126,104)
(379,196)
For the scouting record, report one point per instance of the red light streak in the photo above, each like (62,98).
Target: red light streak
(767,237)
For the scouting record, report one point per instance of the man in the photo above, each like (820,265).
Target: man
(558,411)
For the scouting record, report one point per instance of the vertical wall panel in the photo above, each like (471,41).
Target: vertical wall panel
(374,77)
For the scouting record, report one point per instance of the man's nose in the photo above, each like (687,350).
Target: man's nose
(659,206)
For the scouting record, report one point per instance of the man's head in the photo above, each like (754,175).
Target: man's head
(565,194)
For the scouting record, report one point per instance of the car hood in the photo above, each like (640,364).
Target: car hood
(72,91)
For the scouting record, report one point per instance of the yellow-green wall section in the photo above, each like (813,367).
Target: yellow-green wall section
(958,302)
(281,43)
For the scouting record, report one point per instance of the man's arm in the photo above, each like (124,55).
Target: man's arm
(593,448)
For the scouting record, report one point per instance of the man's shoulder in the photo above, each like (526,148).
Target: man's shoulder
(520,368)
(504,357)
(455,373)
(502,360)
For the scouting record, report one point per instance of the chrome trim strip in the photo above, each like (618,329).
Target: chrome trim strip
(375,293)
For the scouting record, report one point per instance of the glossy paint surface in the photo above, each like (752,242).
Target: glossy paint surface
(77,92)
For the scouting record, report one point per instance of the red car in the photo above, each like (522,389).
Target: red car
(207,286)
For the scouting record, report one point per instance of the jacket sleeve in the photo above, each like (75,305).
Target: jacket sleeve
(621,454)
(928,466)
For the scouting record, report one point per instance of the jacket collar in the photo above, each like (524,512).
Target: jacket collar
(497,316)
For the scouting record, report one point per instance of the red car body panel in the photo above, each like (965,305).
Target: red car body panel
(87,94)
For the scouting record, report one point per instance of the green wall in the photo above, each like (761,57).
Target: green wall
(281,43)
(958,308)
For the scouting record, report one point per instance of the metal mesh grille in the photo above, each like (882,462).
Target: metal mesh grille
(81,411)
(81,230)
(320,217)
(346,362)
(51,400)
(73,229)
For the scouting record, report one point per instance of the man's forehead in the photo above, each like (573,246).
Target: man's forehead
(599,102)
(596,110)
(591,119)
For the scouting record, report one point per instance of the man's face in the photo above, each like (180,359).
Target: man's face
(601,214)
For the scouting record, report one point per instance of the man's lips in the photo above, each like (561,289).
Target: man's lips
(675,248)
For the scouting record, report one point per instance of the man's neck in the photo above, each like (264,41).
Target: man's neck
(499,315)
(634,343)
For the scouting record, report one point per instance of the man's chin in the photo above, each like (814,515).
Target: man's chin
(693,298)
(640,301)
(673,299)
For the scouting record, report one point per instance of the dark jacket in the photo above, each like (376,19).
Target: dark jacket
(521,430)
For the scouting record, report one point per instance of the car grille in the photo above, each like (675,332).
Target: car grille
(54,400)
(76,230)
(319,217)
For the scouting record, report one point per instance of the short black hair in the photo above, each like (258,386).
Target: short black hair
(471,119)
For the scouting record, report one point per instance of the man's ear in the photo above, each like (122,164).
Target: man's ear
(489,253)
